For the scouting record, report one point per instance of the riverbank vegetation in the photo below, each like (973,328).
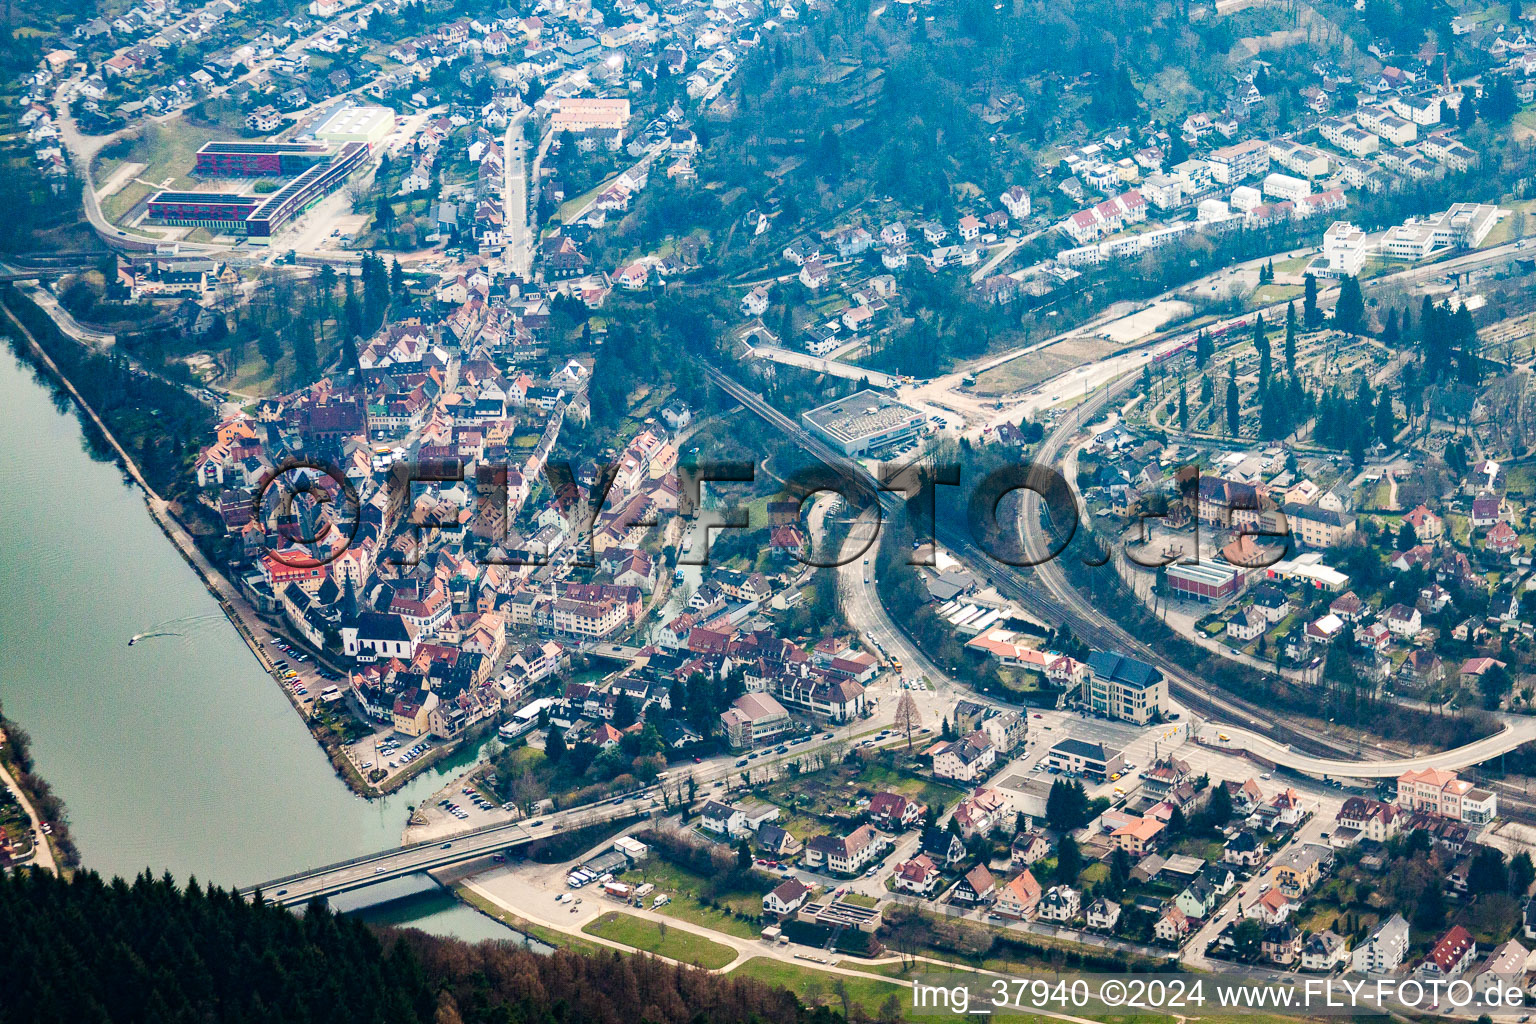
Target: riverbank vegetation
(156,422)
(16,756)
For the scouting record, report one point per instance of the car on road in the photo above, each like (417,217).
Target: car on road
(281,892)
(447,846)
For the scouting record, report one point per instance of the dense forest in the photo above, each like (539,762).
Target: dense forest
(88,950)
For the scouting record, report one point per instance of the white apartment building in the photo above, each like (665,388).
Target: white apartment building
(1348,137)
(1384,950)
(1420,110)
(1382,122)
(1453,154)
(1285,186)
(1245,198)
(1164,191)
(1231,164)
(1345,248)
(1299,159)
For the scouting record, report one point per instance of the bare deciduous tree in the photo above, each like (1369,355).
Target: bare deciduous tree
(908,718)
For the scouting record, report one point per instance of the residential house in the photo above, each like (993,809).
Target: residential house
(1172,927)
(944,846)
(787,898)
(1103,914)
(919,875)
(1029,848)
(1451,954)
(845,855)
(1281,944)
(976,886)
(1502,970)
(892,811)
(1019,897)
(723,819)
(1197,899)
(966,759)
(1138,837)
(1323,951)
(1061,903)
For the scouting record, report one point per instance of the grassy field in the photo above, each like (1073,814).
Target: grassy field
(652,937)
(813,986)
(830,794)
(1271,293)
(685,887)
(1038,367)
(934,794)
(1523,125)
(116,206)
(166,151)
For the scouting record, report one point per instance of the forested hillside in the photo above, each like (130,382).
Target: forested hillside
(88,951)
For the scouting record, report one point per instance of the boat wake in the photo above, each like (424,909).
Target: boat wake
(149,636)
(195,623)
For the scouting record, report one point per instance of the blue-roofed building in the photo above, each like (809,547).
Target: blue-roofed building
(1123,688)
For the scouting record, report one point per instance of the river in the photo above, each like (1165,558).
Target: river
(178,753)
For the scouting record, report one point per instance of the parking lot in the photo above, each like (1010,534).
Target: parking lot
(306,681)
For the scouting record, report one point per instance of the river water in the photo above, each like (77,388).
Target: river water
(178,753)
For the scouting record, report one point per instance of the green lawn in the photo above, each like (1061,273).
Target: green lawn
(166,151)
(934,794)
(813,986)
(653,937)
(685,888)
(895,969)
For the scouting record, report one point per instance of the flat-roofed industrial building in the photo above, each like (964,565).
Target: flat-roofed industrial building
(366,124)
(864,422)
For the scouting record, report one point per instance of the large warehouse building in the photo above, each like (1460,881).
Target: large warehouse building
(371,125)
(863,422)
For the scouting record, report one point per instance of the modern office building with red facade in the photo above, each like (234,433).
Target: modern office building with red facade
(224,211)
(258,159)
(261,215)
